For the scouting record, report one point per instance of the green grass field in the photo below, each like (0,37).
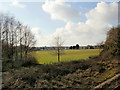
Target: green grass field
(47,57)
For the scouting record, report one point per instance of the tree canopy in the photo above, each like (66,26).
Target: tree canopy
(112,43)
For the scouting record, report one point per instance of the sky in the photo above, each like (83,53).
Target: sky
(83,23)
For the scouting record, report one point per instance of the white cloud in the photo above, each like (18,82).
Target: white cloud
(104,12)
(82,33)
(42,40)
(60,11)
(94,29)
(18,4)
(36,31)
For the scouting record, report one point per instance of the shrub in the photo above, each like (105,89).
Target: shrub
(7,64)
(29,61)
(112,44)
(16,63)
(24,61)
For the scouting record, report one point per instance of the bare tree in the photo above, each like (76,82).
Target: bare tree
(28,40)
(13,36)
(20,38)
(58,42)
(0,37)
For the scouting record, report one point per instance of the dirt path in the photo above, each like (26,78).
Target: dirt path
(107,82)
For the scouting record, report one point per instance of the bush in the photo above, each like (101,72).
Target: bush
(25,61)
(112,44)
(29,61)
(7,64)
(16,63)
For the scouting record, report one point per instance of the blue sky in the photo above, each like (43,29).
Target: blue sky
(49,23)
(34,16)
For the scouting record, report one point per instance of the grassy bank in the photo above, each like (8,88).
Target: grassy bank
(74,74)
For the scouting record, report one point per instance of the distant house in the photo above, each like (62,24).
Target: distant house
(67,47)
(47,48)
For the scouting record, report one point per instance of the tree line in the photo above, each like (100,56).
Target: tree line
(16,38)
(75,47)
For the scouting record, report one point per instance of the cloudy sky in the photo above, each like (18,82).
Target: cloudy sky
(75,22)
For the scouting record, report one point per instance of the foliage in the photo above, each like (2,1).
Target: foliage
(112,44)
(75,47)
(9,64)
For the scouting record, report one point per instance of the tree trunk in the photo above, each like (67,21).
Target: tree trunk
(58,55)
(0,46)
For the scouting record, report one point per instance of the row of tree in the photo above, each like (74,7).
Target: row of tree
(75,47)
(98,46)
(16,38)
